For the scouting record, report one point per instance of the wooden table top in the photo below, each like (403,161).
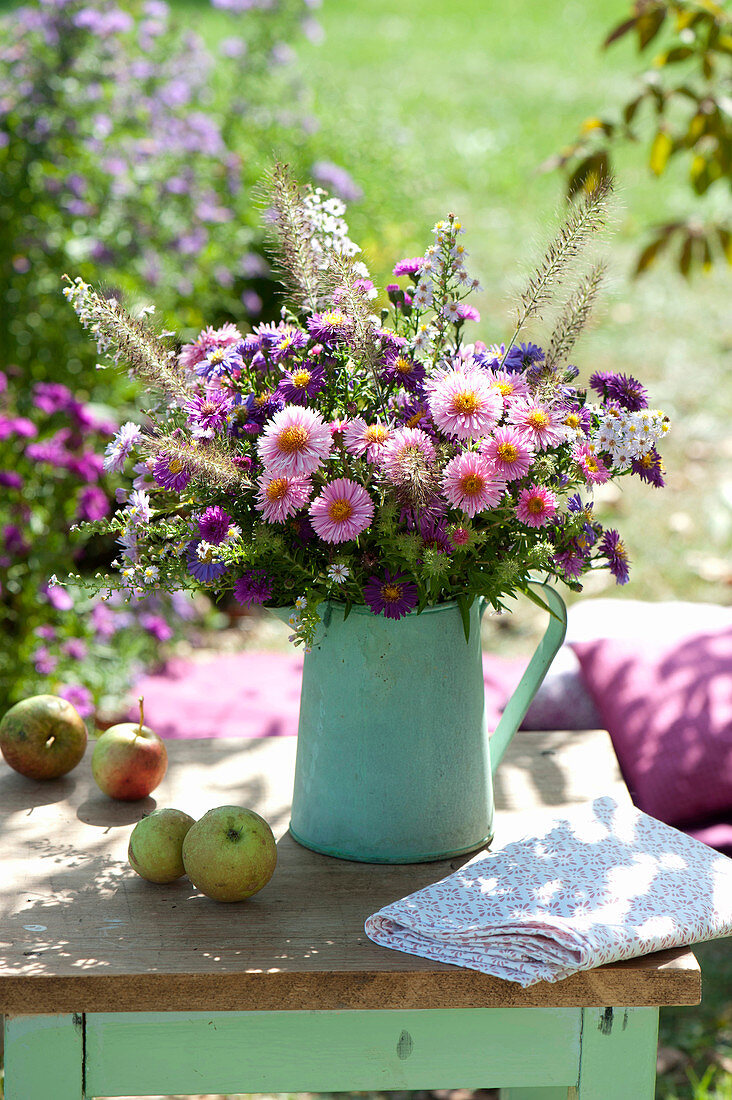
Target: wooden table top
(80,932)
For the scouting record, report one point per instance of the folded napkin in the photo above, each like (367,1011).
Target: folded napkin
(607,882)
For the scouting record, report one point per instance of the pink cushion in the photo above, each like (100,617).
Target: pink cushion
(668,708)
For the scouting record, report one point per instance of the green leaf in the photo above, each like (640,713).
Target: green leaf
(529,592)
(588,173)
(674,55)
(685,256)
(630,109)
(347,611)
(651,252)
(661,150)
(725,239)
(464,603)
(648,25)
(618,32)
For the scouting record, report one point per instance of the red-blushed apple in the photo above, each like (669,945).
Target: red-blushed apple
(129,760)
(230,853)
(156,845)
(43,737)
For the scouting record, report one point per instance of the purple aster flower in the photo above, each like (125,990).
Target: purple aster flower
(58,597)
(599,381)
(118,451)
(577,417)
(301,383)
(13,539)
(467,313)
(390,595)
(79,697)
(214,525)
(284,342)
(138,508)
(570,563)
(336,180)
(209,413)
(408,267)
(332,326)
(10,480)
(220,362)
(403,370)
(51,397)
(75,648)
(156,627)
(92,503)
(207,340)
(171,473)
(434,534)
(612,547)
(650,468)
(103,621)
(18,425)
(48,633)
(44,662)
(627,392)
(205,568)
(254,587)
(250,346)
(302,528)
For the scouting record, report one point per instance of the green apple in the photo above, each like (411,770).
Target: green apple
(43,737)
(230,853)
(156,845)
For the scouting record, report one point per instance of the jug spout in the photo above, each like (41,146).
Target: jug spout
(538,666)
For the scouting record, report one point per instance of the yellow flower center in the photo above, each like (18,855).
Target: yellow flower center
(591,463)
(217,355)
(333,317)
(536,506)
(376,433)
(301,378)
(504,388)
(390,593)
(276,489)
(472,484)
(175,465)
(465,402)
(340,510)
(414,420)
(294,438)
(572,420)
(537,418)
(403,366)
(507,452)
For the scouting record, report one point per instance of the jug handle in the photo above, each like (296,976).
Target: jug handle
(538,666)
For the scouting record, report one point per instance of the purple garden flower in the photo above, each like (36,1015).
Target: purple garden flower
(79,697)
(156,626)
(612,547)
(332,326)
(171,473)
(408,267)
(301,383)
(204,567)
(253,588)
(118,451)
(93,503)
(650,468)
(52,397)
(220,362)
(390,596)
(75,648)
(627,392)
(10,480)
(209,414)
(283,341)
(214,525)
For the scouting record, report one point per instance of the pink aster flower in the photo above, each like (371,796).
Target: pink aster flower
(594,470)
(470,482)
(208,340)
(463,402)
(281,497)
(540,425)
(512,386)
(408,451)
(510,454)
(361,438)
(342,511)
(536,506)
(296,441)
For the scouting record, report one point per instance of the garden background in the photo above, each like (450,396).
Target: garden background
(411,110)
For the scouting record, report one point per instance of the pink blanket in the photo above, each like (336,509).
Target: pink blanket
(606,883)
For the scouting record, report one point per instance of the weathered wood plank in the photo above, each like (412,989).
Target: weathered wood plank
(79,931)
(331,1052)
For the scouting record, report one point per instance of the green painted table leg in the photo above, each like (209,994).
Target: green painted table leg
(44,1058)
(618,1054)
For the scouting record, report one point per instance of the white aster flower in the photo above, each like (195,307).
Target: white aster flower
(300,603)
(339,573)
(294,621)
(451,310)
(150,574)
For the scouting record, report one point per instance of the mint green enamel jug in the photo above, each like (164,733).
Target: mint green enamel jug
(394,762)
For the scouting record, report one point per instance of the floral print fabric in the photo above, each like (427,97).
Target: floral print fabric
(606,882)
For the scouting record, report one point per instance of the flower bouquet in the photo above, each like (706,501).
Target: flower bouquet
(374,459)
(378,480)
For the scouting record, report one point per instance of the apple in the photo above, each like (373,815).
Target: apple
(129,760)
(230,853)
(43,737)
(156,845)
